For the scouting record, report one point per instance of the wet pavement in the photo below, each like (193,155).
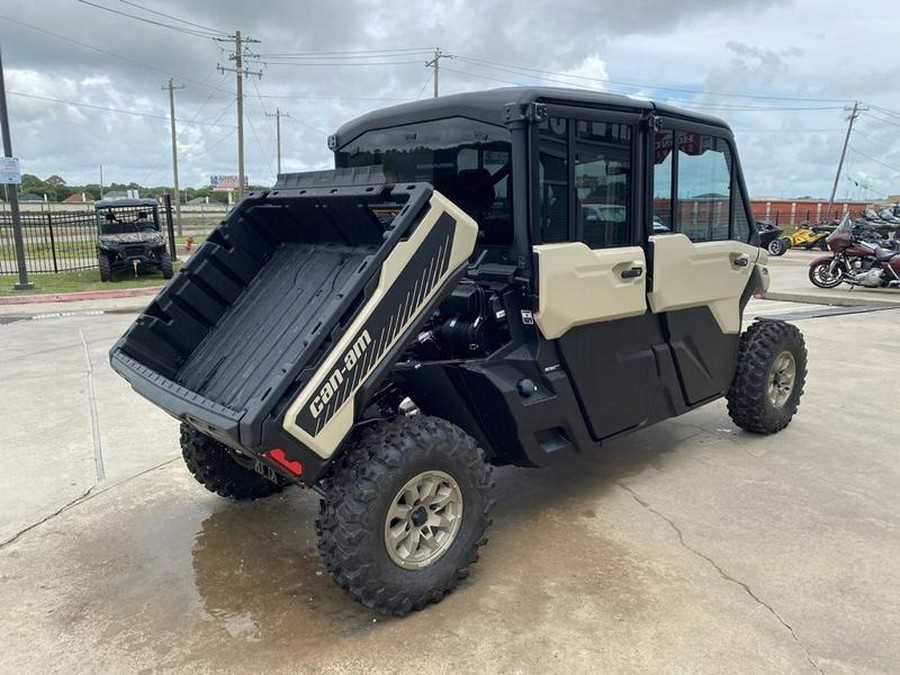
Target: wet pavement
(686,547)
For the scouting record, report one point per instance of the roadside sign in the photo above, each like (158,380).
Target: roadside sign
(225,182)
(10,173)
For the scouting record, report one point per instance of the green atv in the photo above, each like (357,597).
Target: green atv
(129,237)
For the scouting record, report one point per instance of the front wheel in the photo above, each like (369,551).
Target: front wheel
(823,276)
(777,247)
(405,512)
(165,263)
(105,267)
(769,379)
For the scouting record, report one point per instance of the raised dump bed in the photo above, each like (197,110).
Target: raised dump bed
(272,288)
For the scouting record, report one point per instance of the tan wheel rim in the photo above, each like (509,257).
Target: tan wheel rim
(781,379)
(423,520)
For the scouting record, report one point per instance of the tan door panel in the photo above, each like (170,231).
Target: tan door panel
(578,285)
(712,273)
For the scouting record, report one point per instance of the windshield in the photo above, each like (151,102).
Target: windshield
(846,223)
(465,160)
(126,220)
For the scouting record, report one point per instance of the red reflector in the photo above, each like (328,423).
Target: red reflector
(277,455)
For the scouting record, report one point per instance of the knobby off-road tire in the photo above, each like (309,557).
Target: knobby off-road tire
(165,264)
(377,499)
(105,267)
(771,372)
(215,468)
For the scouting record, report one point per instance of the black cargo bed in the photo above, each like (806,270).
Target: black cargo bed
(270,322)
(263,298)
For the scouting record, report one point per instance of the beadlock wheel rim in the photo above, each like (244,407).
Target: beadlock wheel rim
(781,379)
(423,520)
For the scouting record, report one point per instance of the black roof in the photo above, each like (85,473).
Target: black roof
(490,106)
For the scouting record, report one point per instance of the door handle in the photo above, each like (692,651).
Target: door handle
(632,273)
(741,261)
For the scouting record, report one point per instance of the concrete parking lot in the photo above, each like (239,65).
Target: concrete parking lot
(687,547)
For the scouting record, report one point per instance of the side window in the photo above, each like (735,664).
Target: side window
(553,180)
(603,183)
(694,188)
(740,226)
(704,187)
(662,182)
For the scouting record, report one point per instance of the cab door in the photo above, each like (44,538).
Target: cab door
(703,253)
(591,263)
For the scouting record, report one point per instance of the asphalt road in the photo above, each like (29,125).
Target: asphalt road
(687,547)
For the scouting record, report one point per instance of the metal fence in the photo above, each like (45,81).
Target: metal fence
(54,242)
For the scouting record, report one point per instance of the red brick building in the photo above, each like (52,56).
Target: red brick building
(795,211)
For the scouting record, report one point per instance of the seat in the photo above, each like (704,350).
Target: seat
(883,255)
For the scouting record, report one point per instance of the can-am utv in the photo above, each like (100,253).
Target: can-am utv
(480,281)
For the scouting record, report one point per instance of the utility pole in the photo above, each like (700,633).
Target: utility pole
(278,115)
(13,195)
(436,64)
(238,57)
(854,113)
(171,87)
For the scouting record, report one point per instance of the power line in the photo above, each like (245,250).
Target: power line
(337,98)
(351,54)
(886,111)
(134,113)
(872,159)
(113,54)
(526,71)
(179,29)
(882,120)
(174,18)
(786,131)
(327,64)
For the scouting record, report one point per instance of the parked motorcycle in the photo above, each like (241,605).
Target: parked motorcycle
(769,238)
(809,237)
(856,259)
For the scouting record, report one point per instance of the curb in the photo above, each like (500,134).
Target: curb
(850,300)
(80,295)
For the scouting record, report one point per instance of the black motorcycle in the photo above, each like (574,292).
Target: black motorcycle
(770,238)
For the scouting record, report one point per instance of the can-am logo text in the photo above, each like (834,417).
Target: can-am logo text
(350,360)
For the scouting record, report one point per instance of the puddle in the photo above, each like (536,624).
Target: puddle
(178,579)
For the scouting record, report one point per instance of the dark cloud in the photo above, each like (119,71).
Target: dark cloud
(750,46)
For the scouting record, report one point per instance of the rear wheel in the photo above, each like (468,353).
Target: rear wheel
(768,382)
(216,469)
(165,264)
(823,276)
(777,247)
(105,267)
(404,513)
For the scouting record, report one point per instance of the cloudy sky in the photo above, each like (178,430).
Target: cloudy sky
(85,83)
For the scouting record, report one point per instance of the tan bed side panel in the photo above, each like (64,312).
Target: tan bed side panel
(692,275)
(326,441)
(579,285)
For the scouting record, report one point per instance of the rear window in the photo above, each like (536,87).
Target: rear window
(465,160)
